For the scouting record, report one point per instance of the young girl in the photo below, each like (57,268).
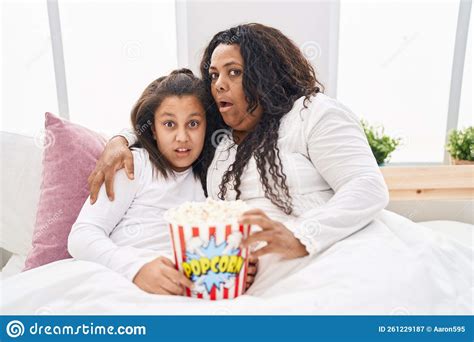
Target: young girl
(129,235)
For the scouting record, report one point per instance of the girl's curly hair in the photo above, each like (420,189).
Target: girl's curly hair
(275,75)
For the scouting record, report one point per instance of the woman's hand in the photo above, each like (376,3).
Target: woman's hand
(252,270)
(279,239)
(161,277)
(116,155)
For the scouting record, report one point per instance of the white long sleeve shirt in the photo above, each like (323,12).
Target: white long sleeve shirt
(334,181)
(130,231)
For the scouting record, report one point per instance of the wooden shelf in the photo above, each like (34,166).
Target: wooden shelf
(430,182)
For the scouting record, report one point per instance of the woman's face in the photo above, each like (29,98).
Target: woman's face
(226,72)
(179,130)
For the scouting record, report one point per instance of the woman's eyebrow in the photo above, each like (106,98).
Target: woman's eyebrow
(226,65)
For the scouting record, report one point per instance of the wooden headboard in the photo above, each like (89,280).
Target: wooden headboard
(430,182)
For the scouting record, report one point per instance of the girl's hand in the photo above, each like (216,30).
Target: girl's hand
(252,270)
(279,239)
(161,277)
(116,155)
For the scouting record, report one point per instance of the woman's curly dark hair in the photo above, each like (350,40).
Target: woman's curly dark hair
(275,75)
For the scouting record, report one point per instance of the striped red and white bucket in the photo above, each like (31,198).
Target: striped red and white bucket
(211,257)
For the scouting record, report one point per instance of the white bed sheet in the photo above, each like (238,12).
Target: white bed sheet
(404,269)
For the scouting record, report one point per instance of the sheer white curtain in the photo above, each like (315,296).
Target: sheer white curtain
(395,62)
(112,51)
(465,106)
(28,84)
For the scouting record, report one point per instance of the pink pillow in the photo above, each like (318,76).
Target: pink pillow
(70,154)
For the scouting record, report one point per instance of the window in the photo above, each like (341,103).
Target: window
(395,61)
(28,84)
(465,107)
(112,51)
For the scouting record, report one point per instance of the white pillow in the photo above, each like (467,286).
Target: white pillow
(21,168)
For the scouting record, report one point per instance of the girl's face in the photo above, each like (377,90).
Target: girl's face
(226,72)
(179,130)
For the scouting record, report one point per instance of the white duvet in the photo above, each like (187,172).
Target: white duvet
(392,266)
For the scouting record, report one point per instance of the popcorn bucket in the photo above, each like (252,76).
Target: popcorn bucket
(210,256)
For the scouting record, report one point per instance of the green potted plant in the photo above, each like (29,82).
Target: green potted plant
(460,146)
(381,144)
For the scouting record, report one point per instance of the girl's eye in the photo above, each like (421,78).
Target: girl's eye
(194,124)
(169,124)
(235,72)
(213,76)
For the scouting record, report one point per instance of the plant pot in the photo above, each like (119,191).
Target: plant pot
(461,162)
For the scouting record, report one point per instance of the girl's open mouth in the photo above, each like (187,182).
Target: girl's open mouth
(182,151)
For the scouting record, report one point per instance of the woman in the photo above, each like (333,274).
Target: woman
(297,156)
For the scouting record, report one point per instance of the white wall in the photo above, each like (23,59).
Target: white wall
(310,24)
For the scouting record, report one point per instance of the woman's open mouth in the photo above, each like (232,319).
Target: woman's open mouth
(224,106)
